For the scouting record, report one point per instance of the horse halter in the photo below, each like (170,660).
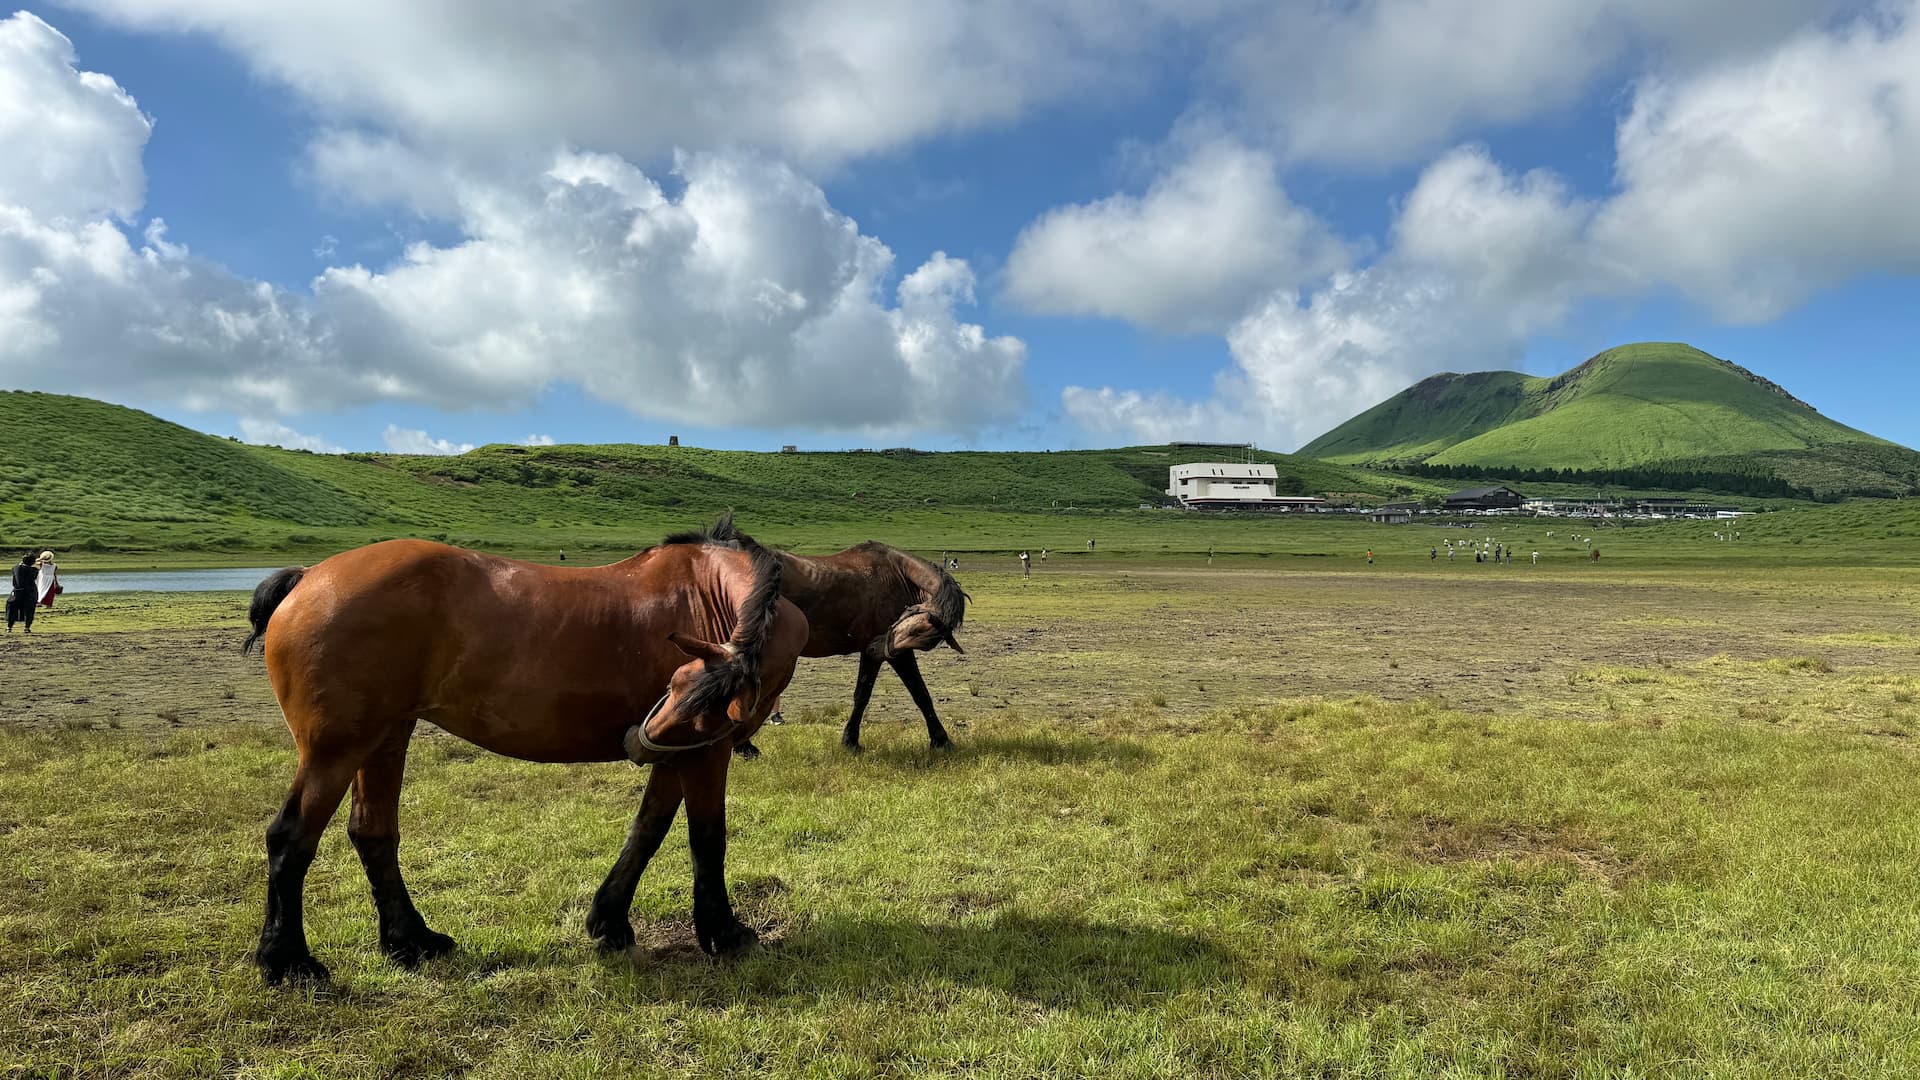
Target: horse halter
(940,627)
(638,733)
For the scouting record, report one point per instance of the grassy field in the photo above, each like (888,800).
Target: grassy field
(1287,815)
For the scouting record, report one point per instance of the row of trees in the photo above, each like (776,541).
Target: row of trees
(1753,485)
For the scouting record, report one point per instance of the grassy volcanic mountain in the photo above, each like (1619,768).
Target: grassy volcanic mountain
(1656,405)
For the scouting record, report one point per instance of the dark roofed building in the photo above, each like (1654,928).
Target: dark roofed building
(1485,498)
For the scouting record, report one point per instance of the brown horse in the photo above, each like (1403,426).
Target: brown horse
(671,656)
(870,599)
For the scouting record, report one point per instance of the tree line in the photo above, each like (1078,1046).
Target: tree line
(1752,485)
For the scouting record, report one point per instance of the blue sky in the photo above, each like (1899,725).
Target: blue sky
(1215,220)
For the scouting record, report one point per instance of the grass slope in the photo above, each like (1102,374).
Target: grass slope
(76,458)
(1651,404)
(100,477)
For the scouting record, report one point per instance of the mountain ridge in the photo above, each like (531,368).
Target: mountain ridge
(1660,405)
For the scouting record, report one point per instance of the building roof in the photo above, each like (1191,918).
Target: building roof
(1481,492)
(1225,470)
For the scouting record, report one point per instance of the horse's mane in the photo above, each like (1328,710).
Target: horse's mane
(720,532)
(948,604)
(721,683)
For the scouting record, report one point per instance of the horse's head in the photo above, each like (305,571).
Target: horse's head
(709,699)
(919,630)
(724,692)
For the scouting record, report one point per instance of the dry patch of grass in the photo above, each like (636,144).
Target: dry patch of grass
(1619,676)
(1872,639)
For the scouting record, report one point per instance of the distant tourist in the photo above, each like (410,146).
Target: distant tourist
(24,594)
(563,554)
(1089,544)
(49,578)
(1369,556)
(1026,565)
(1449,553)
(1433,553)
(1043,554)
(1536,558)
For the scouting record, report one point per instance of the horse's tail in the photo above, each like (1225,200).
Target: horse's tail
(266,598)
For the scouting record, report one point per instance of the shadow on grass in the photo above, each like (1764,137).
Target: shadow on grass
(1038,749)
(1053,961)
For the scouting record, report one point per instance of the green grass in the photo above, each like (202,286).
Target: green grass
(1373,889)
(1654,404)
(1291,820)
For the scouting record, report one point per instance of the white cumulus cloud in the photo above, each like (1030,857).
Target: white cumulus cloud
(274,433)
(536,440)
(819,81)
(1753,185)
(47,109)
(1480,260)
(1210,237)
(1377,83)
(414,441)
(742,299)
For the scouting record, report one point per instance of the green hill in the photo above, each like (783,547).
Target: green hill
(102,477)
(1657,406)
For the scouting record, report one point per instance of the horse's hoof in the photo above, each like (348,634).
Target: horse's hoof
(747,751)
(941,744)
(612,935)
(729,941)
(851,746)
(292,969)
(418,948)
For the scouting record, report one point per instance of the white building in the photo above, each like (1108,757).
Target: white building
(1226,485)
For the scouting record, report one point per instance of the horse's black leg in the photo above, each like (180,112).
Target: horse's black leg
(291,842)
(862,692)
(908,668)
(607,920)
(374,828)
(720,932)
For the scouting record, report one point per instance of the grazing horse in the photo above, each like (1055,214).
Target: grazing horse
(669,657)
(870,599)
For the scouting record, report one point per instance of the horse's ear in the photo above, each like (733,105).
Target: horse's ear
(700,650)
